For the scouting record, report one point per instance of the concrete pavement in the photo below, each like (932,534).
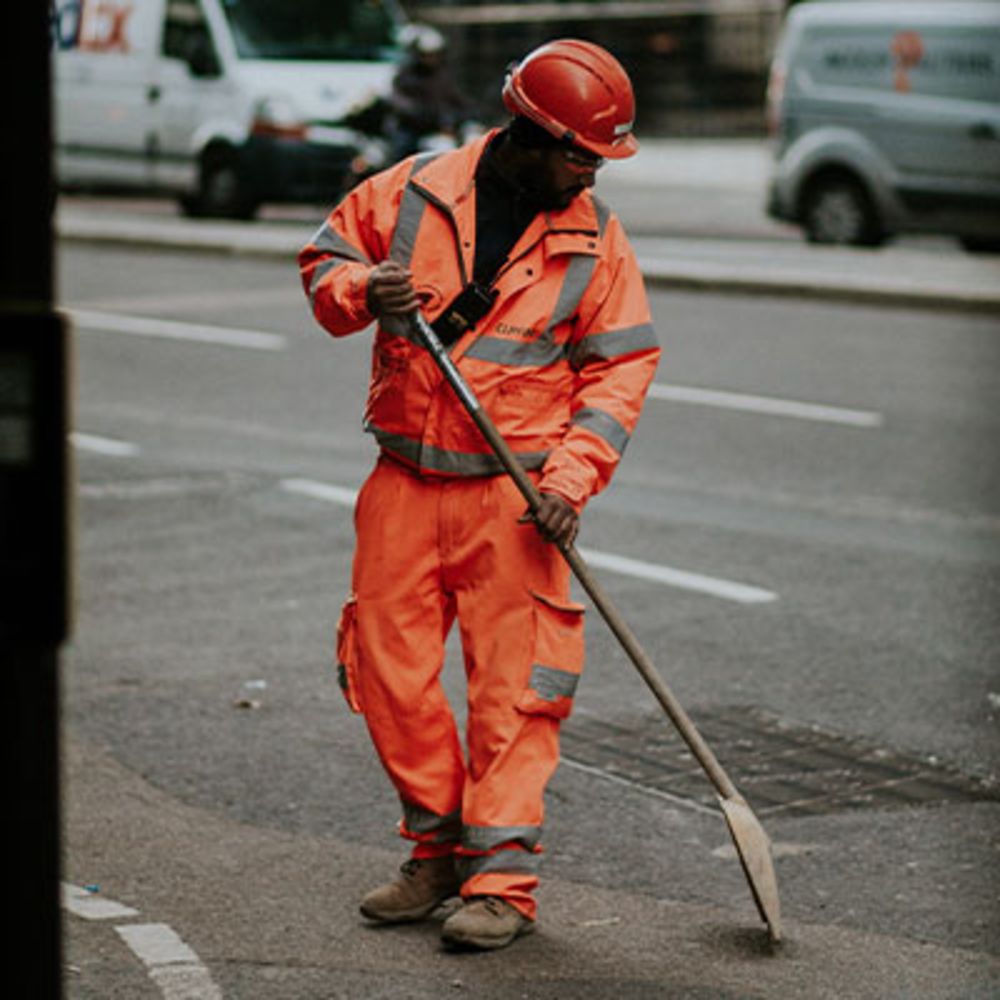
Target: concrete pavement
(694,210)
(233,895)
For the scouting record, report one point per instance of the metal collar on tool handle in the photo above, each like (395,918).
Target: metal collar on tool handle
(578,92)
(753,846)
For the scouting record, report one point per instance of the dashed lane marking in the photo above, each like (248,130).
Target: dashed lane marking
(103,445)
(714,586)
(148,326)
(321,491)
(769,405)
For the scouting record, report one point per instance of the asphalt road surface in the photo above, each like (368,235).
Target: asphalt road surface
(804,534)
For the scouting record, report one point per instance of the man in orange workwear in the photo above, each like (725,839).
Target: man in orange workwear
(531,283)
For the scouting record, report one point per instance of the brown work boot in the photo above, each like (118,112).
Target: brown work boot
(423,885)
(485,922)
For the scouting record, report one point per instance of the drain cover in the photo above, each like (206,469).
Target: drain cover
(782,769)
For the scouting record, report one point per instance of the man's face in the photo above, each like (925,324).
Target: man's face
(562,173)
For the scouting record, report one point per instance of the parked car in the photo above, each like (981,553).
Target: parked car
(224,103)
(886,119)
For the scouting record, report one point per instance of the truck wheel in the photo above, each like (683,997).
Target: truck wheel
(221,191)
(836,209)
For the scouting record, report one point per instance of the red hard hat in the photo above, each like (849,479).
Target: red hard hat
(576,91)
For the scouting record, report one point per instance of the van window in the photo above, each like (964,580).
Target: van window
(186,36)
(311,29)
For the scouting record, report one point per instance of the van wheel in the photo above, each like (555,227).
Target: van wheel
(836,209)
(980,244)
(221,191)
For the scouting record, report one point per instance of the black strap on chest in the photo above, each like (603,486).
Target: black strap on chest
(470,305)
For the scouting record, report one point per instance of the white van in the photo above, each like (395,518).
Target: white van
(225,103)
(886,117)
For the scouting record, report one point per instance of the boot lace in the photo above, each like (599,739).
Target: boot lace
(411,867)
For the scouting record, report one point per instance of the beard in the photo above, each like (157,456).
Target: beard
(541,194)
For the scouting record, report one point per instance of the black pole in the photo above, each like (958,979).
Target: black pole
(33,505)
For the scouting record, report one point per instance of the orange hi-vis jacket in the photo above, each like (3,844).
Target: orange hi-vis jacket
(561,362)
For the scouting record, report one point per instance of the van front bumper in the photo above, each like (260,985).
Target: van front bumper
(280,169)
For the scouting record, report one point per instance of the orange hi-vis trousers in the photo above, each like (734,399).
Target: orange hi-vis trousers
(430,550)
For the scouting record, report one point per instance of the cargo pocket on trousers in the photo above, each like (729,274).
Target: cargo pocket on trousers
(557,661)
(347,653)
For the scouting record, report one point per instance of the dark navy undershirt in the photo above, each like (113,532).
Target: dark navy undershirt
(502,215)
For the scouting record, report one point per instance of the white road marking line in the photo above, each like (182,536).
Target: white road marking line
(156,944)
(147,326)
(171,964)
(770,405)
(91,906)
(714,586)
(321,491)
(103,445)
(148,489)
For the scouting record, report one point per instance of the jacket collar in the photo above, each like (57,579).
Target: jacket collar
(449,180)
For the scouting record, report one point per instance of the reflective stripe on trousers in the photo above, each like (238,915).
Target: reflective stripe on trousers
(430,551)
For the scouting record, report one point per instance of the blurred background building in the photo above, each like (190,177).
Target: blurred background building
(699,67)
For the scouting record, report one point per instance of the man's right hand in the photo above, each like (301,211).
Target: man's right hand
(390,289)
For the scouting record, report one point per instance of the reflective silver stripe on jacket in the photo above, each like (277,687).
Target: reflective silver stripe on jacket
(327,240)
(411,212)
(543,351)
(404,238)
(613,344)
(604,425)
(487,838)
(423,821)
(454,463)
(551,683)
(512,862)
(539,353)
(603,214)
(575,282)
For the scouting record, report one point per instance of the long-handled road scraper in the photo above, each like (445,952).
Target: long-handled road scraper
(752,844)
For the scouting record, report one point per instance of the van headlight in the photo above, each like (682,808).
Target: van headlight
(276,117)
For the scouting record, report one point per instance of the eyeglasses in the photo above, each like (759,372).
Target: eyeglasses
(580,159)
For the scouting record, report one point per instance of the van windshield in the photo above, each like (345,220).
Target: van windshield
(311,29)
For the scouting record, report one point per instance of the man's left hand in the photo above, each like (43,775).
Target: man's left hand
(557,521)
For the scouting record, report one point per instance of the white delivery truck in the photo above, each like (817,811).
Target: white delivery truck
(225,103)
(886,115)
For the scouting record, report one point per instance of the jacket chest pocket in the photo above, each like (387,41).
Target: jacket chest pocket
(558,658)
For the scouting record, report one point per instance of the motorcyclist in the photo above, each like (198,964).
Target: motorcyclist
(424,99)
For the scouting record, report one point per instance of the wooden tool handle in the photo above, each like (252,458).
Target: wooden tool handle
(608,611)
